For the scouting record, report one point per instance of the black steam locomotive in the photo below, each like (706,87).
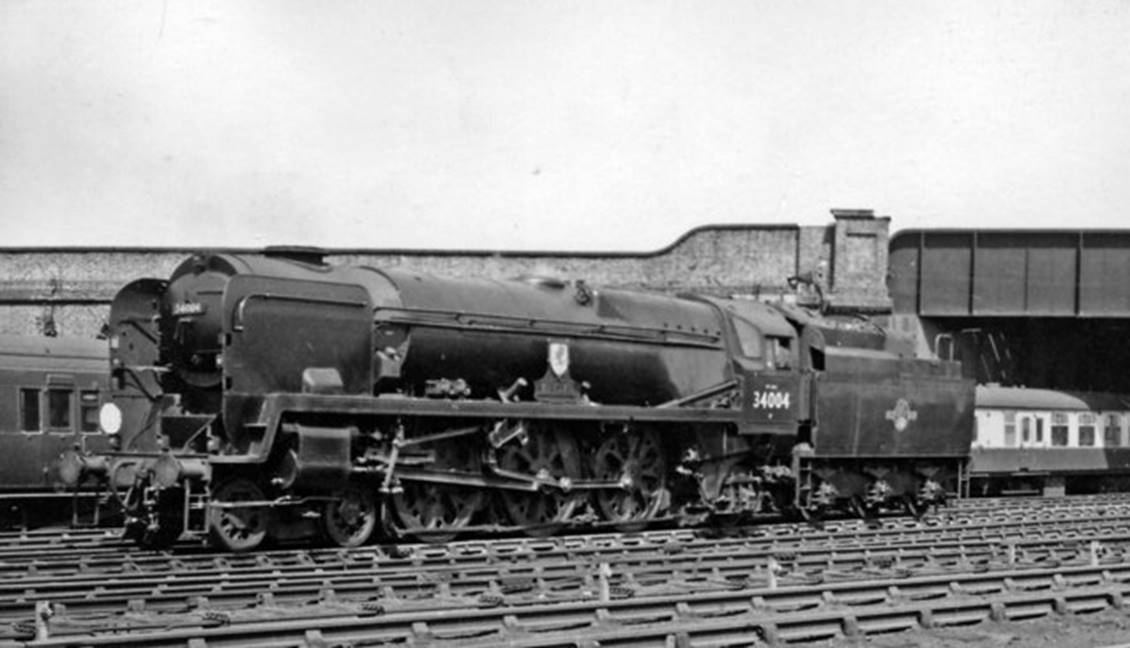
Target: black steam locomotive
(275,396)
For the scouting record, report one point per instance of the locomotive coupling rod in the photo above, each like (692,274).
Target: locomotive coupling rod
(564,484)
(275,503)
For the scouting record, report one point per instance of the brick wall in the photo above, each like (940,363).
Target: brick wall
(70,288)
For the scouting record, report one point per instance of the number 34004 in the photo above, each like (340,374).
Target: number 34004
(770,400)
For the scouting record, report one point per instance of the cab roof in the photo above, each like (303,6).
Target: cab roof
(768,319)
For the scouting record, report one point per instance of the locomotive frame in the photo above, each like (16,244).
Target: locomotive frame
(276,396)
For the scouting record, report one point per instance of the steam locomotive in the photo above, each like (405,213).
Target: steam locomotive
(275,396)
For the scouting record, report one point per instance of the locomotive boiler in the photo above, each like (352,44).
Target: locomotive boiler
(277,396)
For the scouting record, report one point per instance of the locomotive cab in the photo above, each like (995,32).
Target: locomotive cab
(774,384)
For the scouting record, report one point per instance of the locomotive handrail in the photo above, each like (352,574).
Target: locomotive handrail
(135,322)
(699,395)
(514,323)
(237,314)
(135,372)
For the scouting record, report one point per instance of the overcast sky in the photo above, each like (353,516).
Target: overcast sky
(553,124)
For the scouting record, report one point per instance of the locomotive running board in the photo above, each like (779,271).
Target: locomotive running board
(274,407)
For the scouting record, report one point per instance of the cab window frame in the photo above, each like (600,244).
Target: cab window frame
(751,341)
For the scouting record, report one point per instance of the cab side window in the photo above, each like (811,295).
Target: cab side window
(29,410)
(749,338)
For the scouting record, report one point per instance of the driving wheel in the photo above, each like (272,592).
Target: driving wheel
(434,512)
(550,455)
(635,460)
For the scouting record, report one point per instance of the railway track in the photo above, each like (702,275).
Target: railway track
(772,612)
(224,599)
(41,546)
(115,558)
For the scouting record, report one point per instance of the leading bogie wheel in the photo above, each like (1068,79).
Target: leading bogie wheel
(348,519)
(237,528)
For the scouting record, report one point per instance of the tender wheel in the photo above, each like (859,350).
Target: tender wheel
(866,511)
(634,459)
(548,454)
(814,515)
(860,508)
(348,520)
(435,512)
(913,507)
(239,528)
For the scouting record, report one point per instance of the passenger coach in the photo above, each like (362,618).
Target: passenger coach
(50,393)
(1043,441)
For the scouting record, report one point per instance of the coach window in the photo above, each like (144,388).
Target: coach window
(59,408)
(1039,430)
(1086,430)
(1112,433)
(88,410)
(29,410)
(1059,429)
(1025,430)
(1009,429)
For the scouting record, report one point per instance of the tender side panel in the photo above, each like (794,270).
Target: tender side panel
(890,407)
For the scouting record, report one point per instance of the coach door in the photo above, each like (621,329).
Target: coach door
(1033,431)
(60,421)
(22,434)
